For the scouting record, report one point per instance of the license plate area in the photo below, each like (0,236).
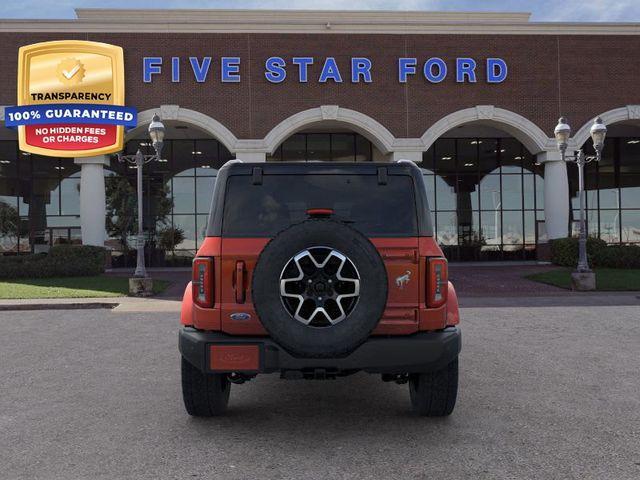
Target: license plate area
(234,358)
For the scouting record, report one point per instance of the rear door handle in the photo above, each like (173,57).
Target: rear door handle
(240,290)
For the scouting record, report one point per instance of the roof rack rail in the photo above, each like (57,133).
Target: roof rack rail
(409,162)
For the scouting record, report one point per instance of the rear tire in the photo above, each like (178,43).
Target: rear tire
(433,394)
(204,395)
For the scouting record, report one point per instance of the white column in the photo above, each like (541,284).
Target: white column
(251,156)
(556,194)
(92,199)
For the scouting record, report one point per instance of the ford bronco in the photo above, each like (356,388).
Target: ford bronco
(315,271)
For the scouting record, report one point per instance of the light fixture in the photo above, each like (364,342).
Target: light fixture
(156,132)
(205,166)
(5,161)
(583,278)
(469,164)
(633,142)
(476,142)
(517,158)
(196,152)
(447,158)
(58,168)
(598,132)
(502,150)
(562,133)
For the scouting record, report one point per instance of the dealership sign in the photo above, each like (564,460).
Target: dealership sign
(70,99)
(323,70)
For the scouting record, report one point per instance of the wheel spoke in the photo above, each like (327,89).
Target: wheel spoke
(316,291)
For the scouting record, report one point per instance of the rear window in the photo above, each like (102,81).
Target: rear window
(281,200)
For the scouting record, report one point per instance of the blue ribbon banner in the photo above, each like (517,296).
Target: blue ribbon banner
(70,113)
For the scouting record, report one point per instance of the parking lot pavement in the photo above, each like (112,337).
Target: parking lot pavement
(550,392)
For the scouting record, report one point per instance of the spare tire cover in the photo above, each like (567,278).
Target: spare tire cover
(319,288)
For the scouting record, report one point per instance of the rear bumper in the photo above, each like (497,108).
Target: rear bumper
(420,352)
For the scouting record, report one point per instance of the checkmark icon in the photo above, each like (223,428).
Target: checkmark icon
(71,73)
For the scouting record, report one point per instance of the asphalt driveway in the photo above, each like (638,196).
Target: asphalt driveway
(551,392)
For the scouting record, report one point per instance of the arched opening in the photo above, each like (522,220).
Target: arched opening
(327,142)
(328,133)
(486,194)
(177,194)
(612,186)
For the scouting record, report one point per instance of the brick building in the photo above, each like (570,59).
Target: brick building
(472,97)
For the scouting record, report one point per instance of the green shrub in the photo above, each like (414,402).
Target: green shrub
(618,256)
(61,261)
(564,252)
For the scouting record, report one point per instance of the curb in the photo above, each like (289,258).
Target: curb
(57,306)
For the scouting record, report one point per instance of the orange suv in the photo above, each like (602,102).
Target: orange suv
(319,270)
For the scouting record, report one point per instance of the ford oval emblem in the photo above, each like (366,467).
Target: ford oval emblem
(240,316)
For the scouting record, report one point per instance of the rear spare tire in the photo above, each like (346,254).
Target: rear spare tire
(319,288)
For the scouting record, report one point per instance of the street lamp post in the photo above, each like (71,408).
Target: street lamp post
(583,278)
(156,133)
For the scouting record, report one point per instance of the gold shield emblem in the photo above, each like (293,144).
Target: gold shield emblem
(71,72)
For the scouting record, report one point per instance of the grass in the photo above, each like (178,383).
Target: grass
(70,287)
(607,279)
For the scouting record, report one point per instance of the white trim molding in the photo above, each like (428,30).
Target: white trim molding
(622,114)
(531,136)
(192,117)
(373,130)
(312,21)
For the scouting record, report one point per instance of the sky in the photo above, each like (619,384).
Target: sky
(542,10)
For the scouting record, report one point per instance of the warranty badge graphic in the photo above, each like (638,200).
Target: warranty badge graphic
(71,99)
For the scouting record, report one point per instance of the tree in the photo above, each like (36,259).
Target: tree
(122,208)
(9,221)
(170,237)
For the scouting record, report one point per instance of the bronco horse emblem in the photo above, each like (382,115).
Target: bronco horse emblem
(402,280)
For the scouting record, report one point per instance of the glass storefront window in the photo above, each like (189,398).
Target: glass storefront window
(183,189)
(319,147)
(8,159)
(201,225)
(467,155)
(490,194)
(445,196)
(630,222)
(294,149)
(187,223)
(630,190)
(204,193)
(485,193)
(612,189)
(182,157)
(609,225)
(445,157)
(530,227)
(487,158)
(467,192)
(491,225)
(70,196)
(447,228)
(512,192)
(512,228)
(511,155)
(343,147)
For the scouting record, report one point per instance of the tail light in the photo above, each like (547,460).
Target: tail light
(202,282)
(437,281)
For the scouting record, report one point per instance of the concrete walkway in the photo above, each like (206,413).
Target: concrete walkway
(477,285)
